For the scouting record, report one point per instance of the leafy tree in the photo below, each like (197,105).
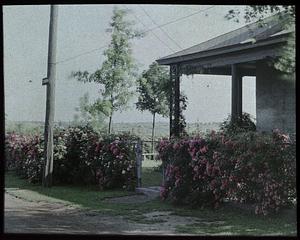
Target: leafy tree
(153,93)
(93,115)
(118,71)
(287,62)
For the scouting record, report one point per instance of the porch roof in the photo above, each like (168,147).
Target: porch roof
(263,36)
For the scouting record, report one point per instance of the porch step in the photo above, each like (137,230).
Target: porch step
(152,192)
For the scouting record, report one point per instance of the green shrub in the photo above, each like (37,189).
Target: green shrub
(240,124)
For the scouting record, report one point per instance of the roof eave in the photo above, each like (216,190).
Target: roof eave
(223,50)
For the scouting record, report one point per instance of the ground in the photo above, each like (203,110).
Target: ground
(30,208)
(48,216)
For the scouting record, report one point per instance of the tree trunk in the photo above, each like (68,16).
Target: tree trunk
(153,127)
(110,124)
(110,117)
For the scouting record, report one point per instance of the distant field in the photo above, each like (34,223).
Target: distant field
(142,129)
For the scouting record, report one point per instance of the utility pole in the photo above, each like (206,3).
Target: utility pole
(50,98)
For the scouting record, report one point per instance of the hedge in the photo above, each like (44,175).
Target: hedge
(81,156)
(248,167)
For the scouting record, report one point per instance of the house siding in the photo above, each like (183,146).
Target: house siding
(275,99)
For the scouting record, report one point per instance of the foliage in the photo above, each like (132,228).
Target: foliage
(74,166)
(153,93)
(182,121)
(247,167)
(25,155)
(116,156)
(264,170)
(81,156)
(196,174)
(286,14)
(94,114)
(152,89)
(118,71)
(240,124)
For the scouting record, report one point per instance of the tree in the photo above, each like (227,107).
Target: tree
(153,93)
(118,71)
(93,115)
(287,61)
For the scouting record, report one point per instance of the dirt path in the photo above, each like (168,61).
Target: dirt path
(59,217)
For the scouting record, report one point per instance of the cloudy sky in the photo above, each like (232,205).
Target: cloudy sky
(81,38)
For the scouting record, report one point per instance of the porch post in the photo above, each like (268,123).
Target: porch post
(239,95)
(171,101)
(176,102)
(236,92)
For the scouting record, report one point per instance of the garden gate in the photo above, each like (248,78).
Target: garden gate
(141,154)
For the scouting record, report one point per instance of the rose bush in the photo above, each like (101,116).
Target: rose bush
(247,167)
(24,154)
(196,173)
(264,172)
(81,156)
(115,155)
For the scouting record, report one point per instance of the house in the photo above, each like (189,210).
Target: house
(247,51)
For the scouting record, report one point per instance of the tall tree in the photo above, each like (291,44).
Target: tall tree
(118,71)
(287,13)
(153,93)
(94,114)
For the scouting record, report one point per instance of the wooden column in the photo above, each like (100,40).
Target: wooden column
(171,101)
(234,89)
(176,102)
(239,95)
(236,92)
(139,159)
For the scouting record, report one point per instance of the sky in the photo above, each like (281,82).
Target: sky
(82,38)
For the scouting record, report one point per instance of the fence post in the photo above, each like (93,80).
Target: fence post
(138,152)
(163,174)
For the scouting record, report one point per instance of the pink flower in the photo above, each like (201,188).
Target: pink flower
(208,168)
(177,146)
(203,150)
(97,147)
(213,184)
(115,151)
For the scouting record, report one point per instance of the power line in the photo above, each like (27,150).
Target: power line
(82,54)
(148,30)
(139,20)
(179,19)
(160,28)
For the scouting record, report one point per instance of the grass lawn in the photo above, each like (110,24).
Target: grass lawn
(225,221)
(151,176)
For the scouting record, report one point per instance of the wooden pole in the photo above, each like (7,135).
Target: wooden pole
(176,102)
(171,101)
(139,159)
(234,92)
(50,98)
(239,95)
(153,129)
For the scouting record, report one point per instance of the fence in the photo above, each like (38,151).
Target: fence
(140,155)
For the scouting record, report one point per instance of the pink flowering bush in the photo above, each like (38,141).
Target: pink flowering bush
(115,158)
(264,171)
(249,167)
(81,156)
(195,172)
(25,155)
